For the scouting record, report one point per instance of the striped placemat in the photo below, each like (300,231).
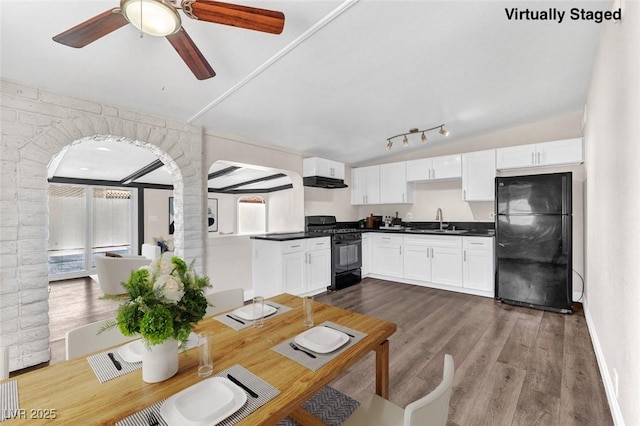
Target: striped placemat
(8,400)
(104,369)
(239,323)
(265,392)
(314,364)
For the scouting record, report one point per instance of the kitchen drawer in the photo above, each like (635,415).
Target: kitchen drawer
(386,239)
(318,243)
(453,241)
(477,242)
(416,240)
(294,246)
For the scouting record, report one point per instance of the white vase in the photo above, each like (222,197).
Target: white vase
(160,362)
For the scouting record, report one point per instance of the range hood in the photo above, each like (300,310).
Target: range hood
(321,173)
(323,182)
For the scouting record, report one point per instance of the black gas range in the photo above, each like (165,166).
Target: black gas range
(346,250)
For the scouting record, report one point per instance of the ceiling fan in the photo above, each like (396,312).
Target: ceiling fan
(161,18)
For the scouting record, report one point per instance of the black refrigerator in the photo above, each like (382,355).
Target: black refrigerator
(533,241)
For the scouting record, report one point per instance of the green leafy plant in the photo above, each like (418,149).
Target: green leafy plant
(165,299)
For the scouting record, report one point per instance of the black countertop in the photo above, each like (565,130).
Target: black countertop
(288,236)
(460,232)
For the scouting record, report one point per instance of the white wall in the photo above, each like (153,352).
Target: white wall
(612,136)
(36,126)
(156,217)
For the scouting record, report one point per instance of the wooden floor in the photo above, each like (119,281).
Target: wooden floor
(514,366)
(73,303)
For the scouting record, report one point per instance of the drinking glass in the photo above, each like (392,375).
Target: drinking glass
(307,309)
(205,351)
(258,311)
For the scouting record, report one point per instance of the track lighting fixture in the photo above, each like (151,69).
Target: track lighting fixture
(423,138)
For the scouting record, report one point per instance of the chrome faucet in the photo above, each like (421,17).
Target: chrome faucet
(439,217)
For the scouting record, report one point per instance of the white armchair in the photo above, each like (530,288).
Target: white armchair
(113,271)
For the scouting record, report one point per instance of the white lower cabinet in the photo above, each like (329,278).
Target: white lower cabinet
(301,266)
(417,262)
(450,262)
(446,265)
(386,255)
(366,255)
(478,269)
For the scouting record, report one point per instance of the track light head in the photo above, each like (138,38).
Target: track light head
(415,130)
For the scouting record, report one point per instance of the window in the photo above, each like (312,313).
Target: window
(85,220)
(252,215)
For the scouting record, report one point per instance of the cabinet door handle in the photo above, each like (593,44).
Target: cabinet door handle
(464,194)
(432,252)
(403,198)
(434,173)
(538,158)
(476,244)
(533,158)
(464,253)
(400,250)
(297,245)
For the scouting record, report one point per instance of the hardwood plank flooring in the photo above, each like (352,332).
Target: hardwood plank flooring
(73,303)
(514,366)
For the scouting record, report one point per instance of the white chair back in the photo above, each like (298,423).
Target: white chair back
(4,363)
(85,339)
(113,271)
(150,251)
(224,300)
(432,409)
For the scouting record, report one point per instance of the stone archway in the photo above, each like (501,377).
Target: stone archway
(24,238)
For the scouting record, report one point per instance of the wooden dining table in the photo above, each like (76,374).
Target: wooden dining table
(72,389)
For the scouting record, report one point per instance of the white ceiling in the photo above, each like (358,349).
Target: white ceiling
(334,88)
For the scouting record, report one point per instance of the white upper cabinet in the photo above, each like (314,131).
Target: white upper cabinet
(436,168)
(567,151)
(322,167)
(365,185)
(478,175)
(393,184)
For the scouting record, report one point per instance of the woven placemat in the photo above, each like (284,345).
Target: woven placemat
(265,392)
(238,323)
(8,400)
(314,364)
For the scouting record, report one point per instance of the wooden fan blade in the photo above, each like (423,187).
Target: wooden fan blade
(251,18)
(92,29)
(191,55)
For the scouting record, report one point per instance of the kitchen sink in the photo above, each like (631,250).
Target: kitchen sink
(436,231)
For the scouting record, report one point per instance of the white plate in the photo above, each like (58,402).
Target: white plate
(246,312)
(322,339)
(205,403)
(132,351)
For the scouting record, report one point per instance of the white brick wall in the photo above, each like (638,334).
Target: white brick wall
(35,126)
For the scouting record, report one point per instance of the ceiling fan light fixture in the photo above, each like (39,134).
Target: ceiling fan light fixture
(153,17)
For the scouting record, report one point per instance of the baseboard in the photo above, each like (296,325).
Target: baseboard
(609,389)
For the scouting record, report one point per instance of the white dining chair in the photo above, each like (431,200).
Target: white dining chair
(430,410)
(224,300)
(85,339)
(4,363)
